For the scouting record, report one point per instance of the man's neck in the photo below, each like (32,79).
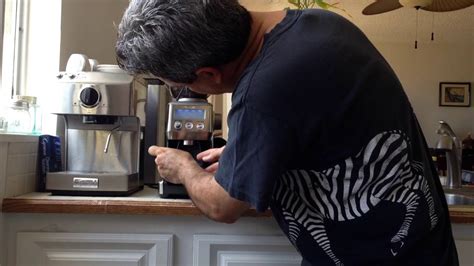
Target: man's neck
(262,23)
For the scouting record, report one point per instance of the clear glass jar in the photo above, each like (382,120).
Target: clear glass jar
(38,125)
(18,117)
(34,110)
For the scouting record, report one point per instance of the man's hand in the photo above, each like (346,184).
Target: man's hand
(177,166)
(172,163)
(211,156)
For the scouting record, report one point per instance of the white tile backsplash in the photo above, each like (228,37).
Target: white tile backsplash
(19,164)
(30,183)
(15,186)
(3,169)
(20,184)
(23,148)
(17,167)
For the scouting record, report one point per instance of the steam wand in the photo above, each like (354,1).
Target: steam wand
(107,142)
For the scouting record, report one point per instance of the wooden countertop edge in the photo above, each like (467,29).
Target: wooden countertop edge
(15,205)
(458,214)
(461,216)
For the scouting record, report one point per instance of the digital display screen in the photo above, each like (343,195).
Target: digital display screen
(189,114)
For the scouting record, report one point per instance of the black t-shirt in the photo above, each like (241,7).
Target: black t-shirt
(322,132)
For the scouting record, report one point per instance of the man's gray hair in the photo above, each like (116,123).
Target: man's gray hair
(171,39)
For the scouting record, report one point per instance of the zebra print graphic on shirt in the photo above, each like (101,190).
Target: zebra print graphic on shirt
(380,171)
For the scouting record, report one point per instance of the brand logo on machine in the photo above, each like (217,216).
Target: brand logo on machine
(85,182)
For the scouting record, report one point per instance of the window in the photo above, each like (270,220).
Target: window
(9,32)
(30,51)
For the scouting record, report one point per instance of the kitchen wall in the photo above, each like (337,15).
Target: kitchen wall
(89,27)
(264,5)
(421,71)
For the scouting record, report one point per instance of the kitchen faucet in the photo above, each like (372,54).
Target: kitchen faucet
(451,144)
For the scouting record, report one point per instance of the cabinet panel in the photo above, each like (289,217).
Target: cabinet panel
(237,250)
(84,249)
(465,249)
(250,258)
(464,237)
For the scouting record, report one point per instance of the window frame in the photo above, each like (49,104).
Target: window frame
(17,44)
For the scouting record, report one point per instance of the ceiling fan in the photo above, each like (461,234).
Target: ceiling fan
(382,6)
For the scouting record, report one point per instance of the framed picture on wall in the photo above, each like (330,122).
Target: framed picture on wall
(455,94)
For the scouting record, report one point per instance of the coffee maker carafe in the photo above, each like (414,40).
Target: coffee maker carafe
(100,134)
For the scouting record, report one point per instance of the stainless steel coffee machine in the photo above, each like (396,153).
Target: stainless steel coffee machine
(177,118)
(100,134)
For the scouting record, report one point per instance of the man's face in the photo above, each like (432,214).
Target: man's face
(207,82)
(197,86)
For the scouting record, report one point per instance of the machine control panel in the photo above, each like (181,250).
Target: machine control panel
(190,120)
(94,93)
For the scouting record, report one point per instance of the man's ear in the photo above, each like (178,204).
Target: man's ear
(211,74)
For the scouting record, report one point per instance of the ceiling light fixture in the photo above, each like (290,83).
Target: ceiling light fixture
(415,3)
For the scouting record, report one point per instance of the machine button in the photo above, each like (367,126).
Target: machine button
(72,76)
(178,125)
(200,126)
(60,76)
(189,125)
(89,97)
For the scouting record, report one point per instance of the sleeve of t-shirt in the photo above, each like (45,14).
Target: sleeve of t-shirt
(257,152)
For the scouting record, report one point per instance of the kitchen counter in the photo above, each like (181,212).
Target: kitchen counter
(35,223)
(147,202)
(461,213)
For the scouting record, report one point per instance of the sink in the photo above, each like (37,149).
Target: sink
(456,199)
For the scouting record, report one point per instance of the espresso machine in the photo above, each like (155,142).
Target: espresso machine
(100,134)
(177,118)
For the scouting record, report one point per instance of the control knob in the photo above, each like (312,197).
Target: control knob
(89,97)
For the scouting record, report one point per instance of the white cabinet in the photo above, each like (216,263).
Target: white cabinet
(88,249)
(144,240)
(141,240)
(238,250)
(84,249)
(464,237)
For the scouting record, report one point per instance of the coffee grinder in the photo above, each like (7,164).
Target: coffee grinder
(189,128)
(188,123)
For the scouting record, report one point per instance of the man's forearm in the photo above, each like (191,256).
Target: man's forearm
(210,197)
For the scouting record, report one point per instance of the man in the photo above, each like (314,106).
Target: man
(320,129)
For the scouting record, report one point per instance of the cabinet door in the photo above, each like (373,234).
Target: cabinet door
(83,249)
(464,237)
(235,250)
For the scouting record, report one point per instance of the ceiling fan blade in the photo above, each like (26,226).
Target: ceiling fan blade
(445,5)
(382,6)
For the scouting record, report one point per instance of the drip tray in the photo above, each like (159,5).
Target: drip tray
(87,184)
